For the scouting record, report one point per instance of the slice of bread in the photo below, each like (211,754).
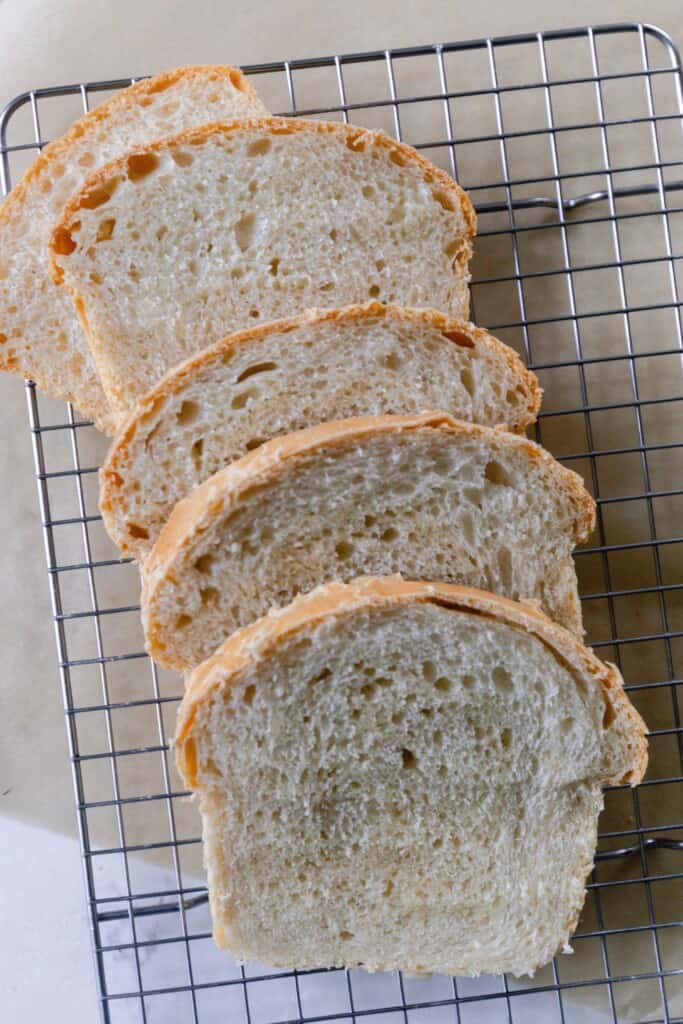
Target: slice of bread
(403,776)
(40,336)
(280,377)
(425,496)
(178,244)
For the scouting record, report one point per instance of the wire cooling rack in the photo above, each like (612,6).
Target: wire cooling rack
(570,144)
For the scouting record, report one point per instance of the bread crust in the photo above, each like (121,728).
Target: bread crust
(354,137)
(129,96)
(258,468)
(112,487)
(261,639)
(58,151)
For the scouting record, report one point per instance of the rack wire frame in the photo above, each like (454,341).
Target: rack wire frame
(513,207)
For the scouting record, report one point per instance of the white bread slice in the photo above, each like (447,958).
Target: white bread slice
(403,776)
(280,377)
(425,496)
(179,243)
(40,336)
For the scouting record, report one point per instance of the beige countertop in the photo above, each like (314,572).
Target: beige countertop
(45,964)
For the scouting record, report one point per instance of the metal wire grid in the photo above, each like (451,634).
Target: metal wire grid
(578,264)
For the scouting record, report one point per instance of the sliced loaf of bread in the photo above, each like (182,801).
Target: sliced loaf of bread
(425,496)
(177,244)
(40,336)
(403,776)
(280,377)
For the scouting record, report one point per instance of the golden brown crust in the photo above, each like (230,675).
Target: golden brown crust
(59,151)
(126,97)
(103,181)
(255,642)
(258,467)
(173,382)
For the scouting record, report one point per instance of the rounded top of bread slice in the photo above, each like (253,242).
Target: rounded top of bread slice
(624,741)
(425,496)
(283,376)
(221,492)
(142,161)
(177,244)
(43,321)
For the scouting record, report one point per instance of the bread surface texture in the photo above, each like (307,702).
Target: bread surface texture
(284,376)
(403,776)
(426,496)
(180,243)
(40,336)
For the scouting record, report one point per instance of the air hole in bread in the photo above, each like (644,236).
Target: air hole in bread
(356,142)
(502,680)
(326,673)
(183,621)
(254,442)
(380,265)
(368,191)
(258,147)
(393,361)
(345,935)
(240,400)
(505,738)
(333,234)
(187,413)
(140,165)
(196,453)
(609,713)
(105,229)
(496,474)
(273,266)
(244,230)
(373,291)
(248,695)
(566,725)
(62,242)
(251,371)
(254,313)
(139,532)
(429,671)
(99,194)
(460,338)
(182,157)
(209,596)
(204,563)
(389,535)
(408,758)
(467,380)
(344,549)
(443,684)
(368,690)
